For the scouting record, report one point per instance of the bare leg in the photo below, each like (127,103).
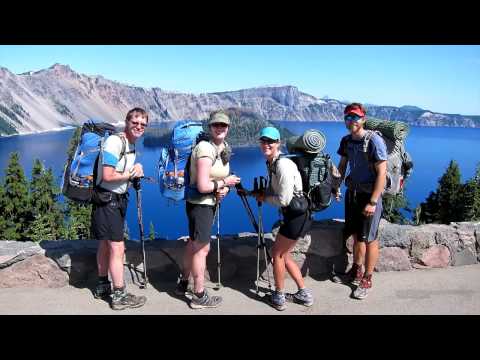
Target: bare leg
(371,256)
(359,249)
(280,250)
(199,259)
(117,252)
(187,259)
(103,256)
(294,271)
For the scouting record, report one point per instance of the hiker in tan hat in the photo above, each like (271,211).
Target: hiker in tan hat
(209,175)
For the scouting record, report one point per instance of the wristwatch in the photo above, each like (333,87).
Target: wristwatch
(373,203)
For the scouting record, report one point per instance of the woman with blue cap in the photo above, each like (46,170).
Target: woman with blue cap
(285,191)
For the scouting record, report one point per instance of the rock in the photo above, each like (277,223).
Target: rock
(437,256)
(393,259)
(325,239)
(394,235)
(464,257)
(421,238)
(12,252)
(35,271)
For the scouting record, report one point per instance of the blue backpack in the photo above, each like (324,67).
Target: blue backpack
(79,177)
(173,165)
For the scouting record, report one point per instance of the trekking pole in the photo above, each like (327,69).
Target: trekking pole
(138,190)
(261,238)
(217,211)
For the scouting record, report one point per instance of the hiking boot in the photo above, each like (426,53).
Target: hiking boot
(361,291)
(206,301)
(302,297)
(355,275)
(182,287)
(122,300)
(336,278)
(102,290)
(278,300)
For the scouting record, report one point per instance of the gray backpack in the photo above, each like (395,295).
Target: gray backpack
(399,164)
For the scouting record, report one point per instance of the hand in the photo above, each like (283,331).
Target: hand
(260,196)
(220,194)
(136,171)
(241,192)
(369,210)
(338,194)
(231,180)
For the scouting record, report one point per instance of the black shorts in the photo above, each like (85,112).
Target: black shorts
(295,226)
(200,221)
(366,227)
(108,220)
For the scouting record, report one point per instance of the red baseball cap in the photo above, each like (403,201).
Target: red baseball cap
(354,110)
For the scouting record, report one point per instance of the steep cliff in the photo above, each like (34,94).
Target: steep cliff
(58,97)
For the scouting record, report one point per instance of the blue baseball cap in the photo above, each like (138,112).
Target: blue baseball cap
(270,132)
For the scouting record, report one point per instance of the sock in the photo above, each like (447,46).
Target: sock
(103,279)
(200,295)
(119,289)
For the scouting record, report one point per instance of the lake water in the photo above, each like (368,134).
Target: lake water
(431,149)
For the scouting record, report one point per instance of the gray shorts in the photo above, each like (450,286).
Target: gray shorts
(200,221)
(366,227)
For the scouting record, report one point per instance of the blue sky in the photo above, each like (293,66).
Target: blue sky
(438,78)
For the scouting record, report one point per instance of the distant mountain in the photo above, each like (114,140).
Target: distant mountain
(58,97)
(244,129)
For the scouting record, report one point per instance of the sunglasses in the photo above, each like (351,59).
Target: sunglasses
(267,141)
(136,123)
(352,117)
(222,125)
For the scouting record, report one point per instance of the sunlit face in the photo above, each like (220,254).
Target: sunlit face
(219,131)
(269,147)
(354,123)
(136,126)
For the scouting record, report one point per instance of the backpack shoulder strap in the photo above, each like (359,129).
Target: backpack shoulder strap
(123,152)
(348,138)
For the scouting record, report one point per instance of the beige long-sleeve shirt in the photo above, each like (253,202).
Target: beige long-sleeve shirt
(284,181)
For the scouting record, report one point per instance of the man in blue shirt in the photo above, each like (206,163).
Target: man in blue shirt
(363,199)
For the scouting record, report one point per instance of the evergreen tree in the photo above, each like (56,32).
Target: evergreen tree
(449,194)
(429,210)
(447,204)
(46,210)
(151,236)
(3,221)
(392,206)
(16,208)
(470,198)
(78,221)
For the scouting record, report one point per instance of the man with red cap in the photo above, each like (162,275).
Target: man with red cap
(363,199)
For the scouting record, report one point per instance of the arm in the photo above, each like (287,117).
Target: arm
(110,175)
(286,183)
(381,169)
(342,168)
(204,184)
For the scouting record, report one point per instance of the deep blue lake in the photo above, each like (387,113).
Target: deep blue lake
(431,149)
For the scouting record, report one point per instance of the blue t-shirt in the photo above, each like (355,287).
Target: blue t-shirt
(361,171)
